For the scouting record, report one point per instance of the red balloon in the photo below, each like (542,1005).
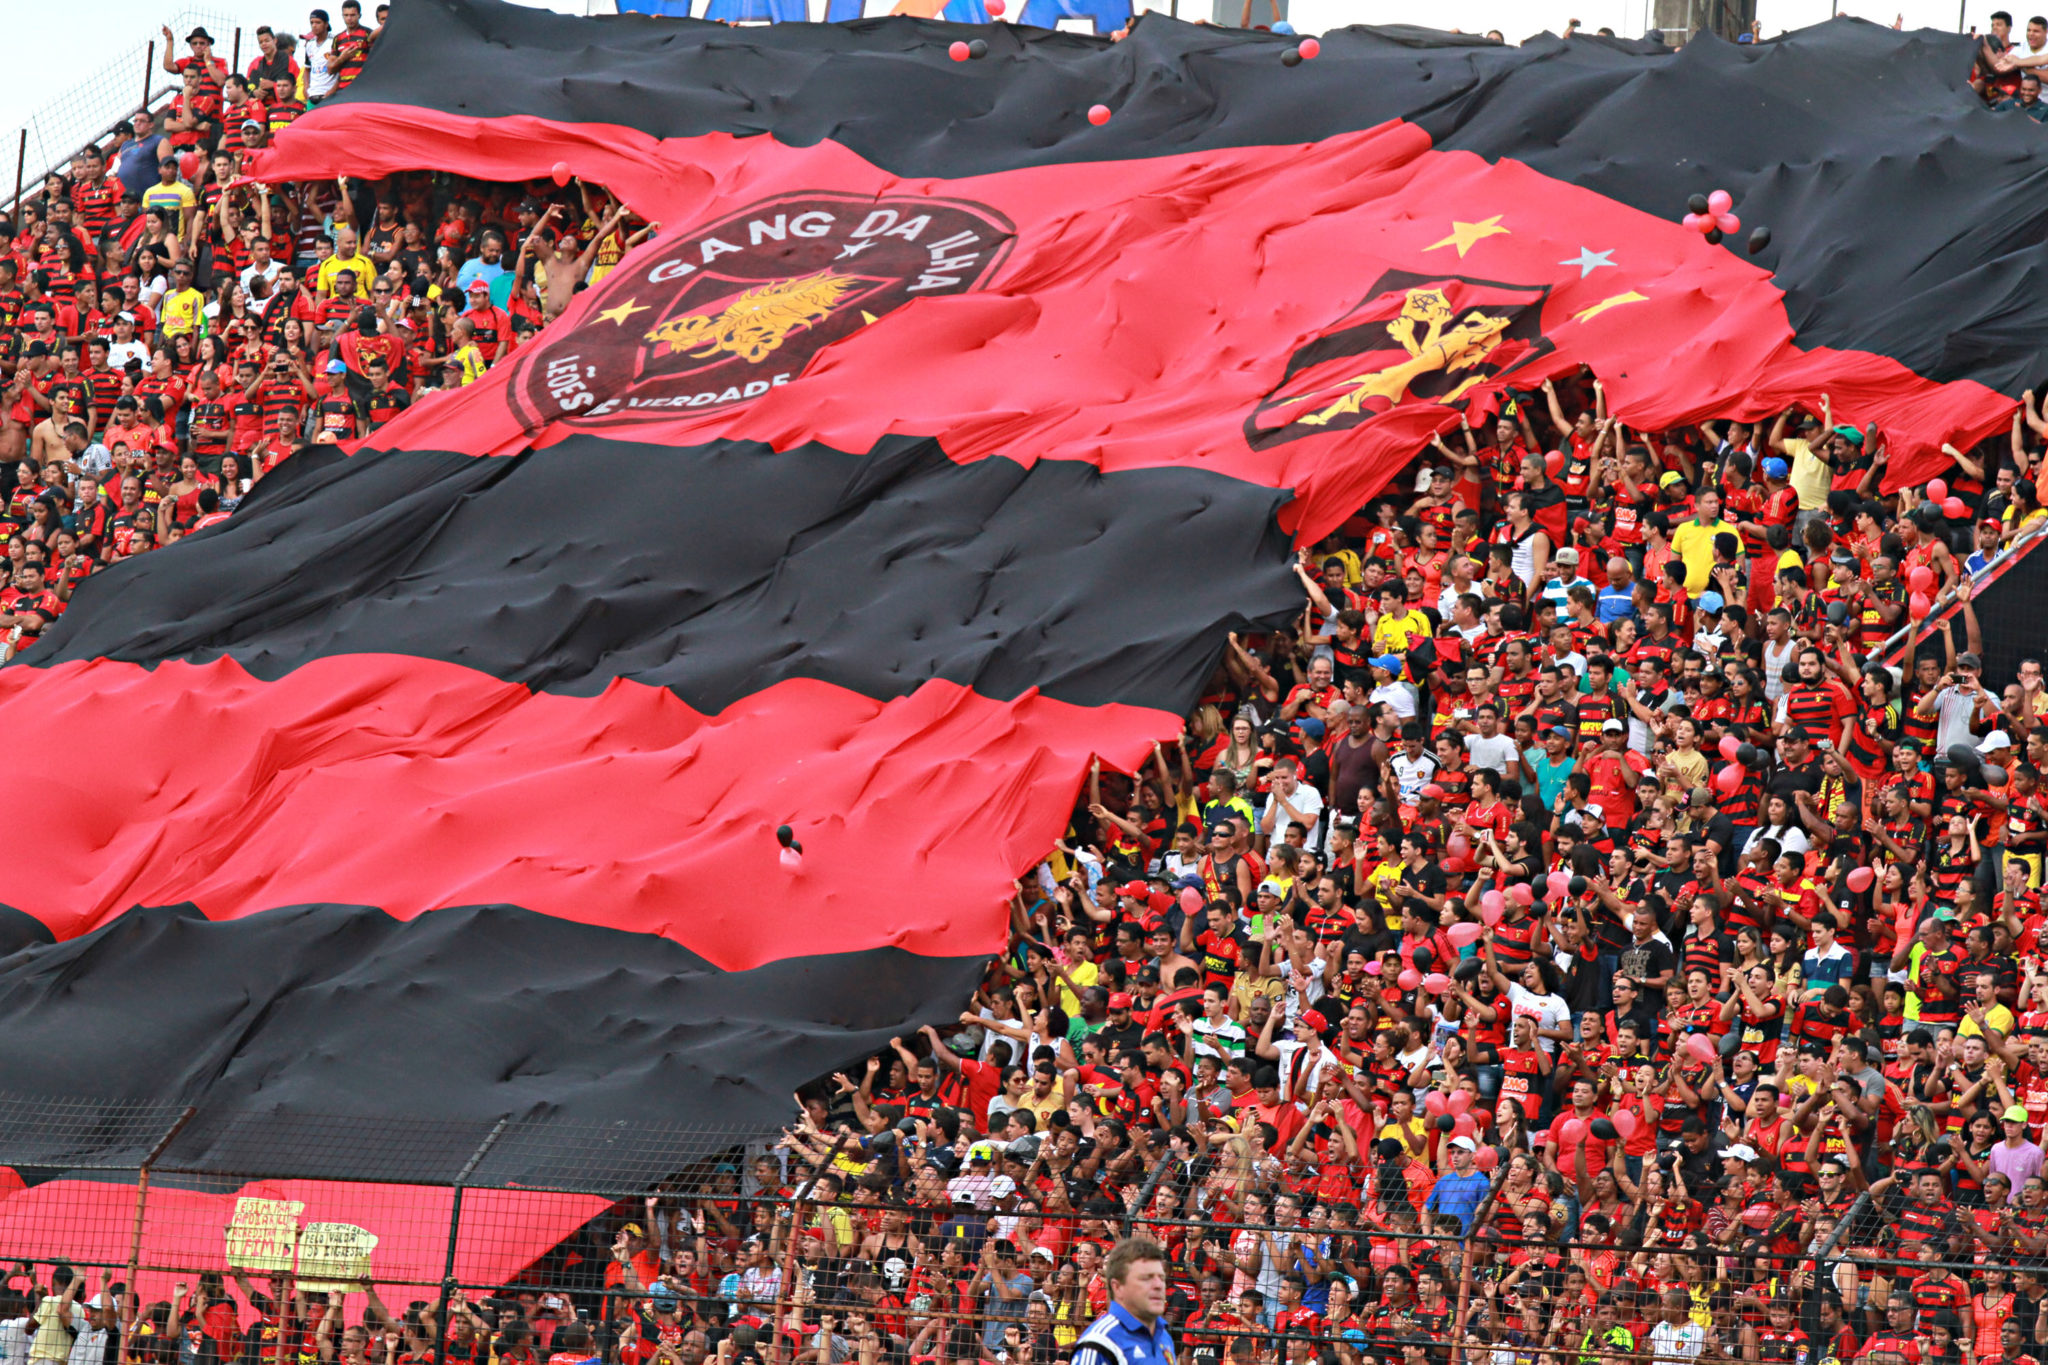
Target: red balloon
(1701,1048)
(958,52)
(1409,979)
(1728,223)
(1729,780)
(1624,1121)
(1697,222)
(1571,1132)
(1553,460)
(1937,490)
(1920,605)
(995,8)
(561,172)
(1463,934)
(1309,48)
(1492,911)
(1373,967)
(1483,1117)
(1955,509)
(1920,578)
(1486,1158)
(1098,114)
(1730,746)
(1464,1127)
(1436,983)
(1559,884)
(1860,878)
(1460,1101)
(1522,894)
(1458,846)
(1191,900)
(1434,1103)
(1720,201)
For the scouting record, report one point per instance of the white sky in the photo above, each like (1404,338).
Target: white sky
(90,34)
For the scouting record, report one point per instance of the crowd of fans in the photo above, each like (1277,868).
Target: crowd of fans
(1587,933)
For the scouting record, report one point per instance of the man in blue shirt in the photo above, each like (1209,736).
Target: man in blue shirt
(1616,598)
(1461,1192)
(138,159)
(1133,1331)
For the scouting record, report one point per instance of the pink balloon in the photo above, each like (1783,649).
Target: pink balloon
(1384,1256)
(958,52)
(1553,460)
(791,860)
(1728,223)
(1720,201)
(1409,979)
(1700,1048)
(1937,489)
(1458,846)
(1464,1127)
(1309,48)
(1494,901)
(1624,1121)
(1920,605)
(560,172)
(1697,222)
(1463,934)
(1522,894)
(1373,968)
(1560,884)
(1920,578)
(1571,1132)
(1098,114)
(1436,983)
(1729,780)
(1730,746)
(1433,1103)
(1460,1101)
(1191,900)
(1955,509)
(1486,1158)
(995,8)
(1860,878)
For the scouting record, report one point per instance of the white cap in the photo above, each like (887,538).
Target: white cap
(1741,1151)
(1466,1143)
(1002,1187)
(1997,739)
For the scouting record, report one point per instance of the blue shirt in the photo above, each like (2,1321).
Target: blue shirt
(1116,1338)
(1459,1196)
(476,269)
(1616,604)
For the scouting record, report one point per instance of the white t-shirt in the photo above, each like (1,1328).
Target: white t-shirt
(1413,774)
(15,1335)
(1497,753)
(1548,1011)
(320,81)
(1791,839)
(1677,1343)
(1309,802)
(1303,990)
(1399,697)
(120,353)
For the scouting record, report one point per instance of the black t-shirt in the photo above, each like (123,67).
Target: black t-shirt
(1787,780)
(1642,961)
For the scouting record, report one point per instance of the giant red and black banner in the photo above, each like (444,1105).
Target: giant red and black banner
(933,445)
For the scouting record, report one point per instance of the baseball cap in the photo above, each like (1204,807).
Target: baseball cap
(1775,468)
(1669,477)
(1121,1000)
(1997,739)
(1270,887)
(1309,726)
(2016,1114)
(1849,434)
(1313,1019)
(1969,659)
(1741,1151)
(1466,1143)
(1611,726)
(634,1230)
(1945,912)
(1567,555)
(475,285)
(1134,889)
(1390,662)
(1042,1254)
(1564,730)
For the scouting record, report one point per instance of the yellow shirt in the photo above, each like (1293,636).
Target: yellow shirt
(183,310)
(1395,634)
(365,272)
(1811,476)
(1997,1018)
(1693,542)
(1085,975)
(472,364)
(176,195)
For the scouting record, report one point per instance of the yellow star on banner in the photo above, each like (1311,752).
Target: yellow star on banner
(622,312)
(1463,235)
(1619,299)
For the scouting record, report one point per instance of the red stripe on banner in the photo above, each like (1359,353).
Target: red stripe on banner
(1143,312)
(413,785)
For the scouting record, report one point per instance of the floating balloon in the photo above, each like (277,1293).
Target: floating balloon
(958,52)
(1838,612)
(1460,1101)
(1698,203)
(976,48)
(1463,1126)
(786,836)
(791,859)
(1310,49)
(1553,460)
(1409,979)
(1728,223)
(1697,222)
(1458,846)
(1937,490)
(1624,1124)
(1291,57)
(1955,509)
(1860,878)
(1436,983)
(1571,1132)
(1719,202)
(1604,1129)
(560,172)
(1445,1123)
(1486,1158)
(1920,606)
(1494,901)
(1283,28)
(1757,1217)
(1522,894)
(1920,578)
(1433,1103)
(1098,114)
(1759,239)
(1700,1048)
(1729,744)
(1383,1257)
(1422,957)
(1466,971)
(1191,900)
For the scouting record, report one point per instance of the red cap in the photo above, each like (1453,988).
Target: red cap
(1120,1001)
(1313,1020)
(1136,890)
(1434,792)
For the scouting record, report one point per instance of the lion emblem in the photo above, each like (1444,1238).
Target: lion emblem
(755,325)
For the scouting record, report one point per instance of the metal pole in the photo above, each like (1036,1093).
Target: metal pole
(148,67)
(235,62)
(1479,1216)
(142,1194)
(454,1230)
(20,164)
